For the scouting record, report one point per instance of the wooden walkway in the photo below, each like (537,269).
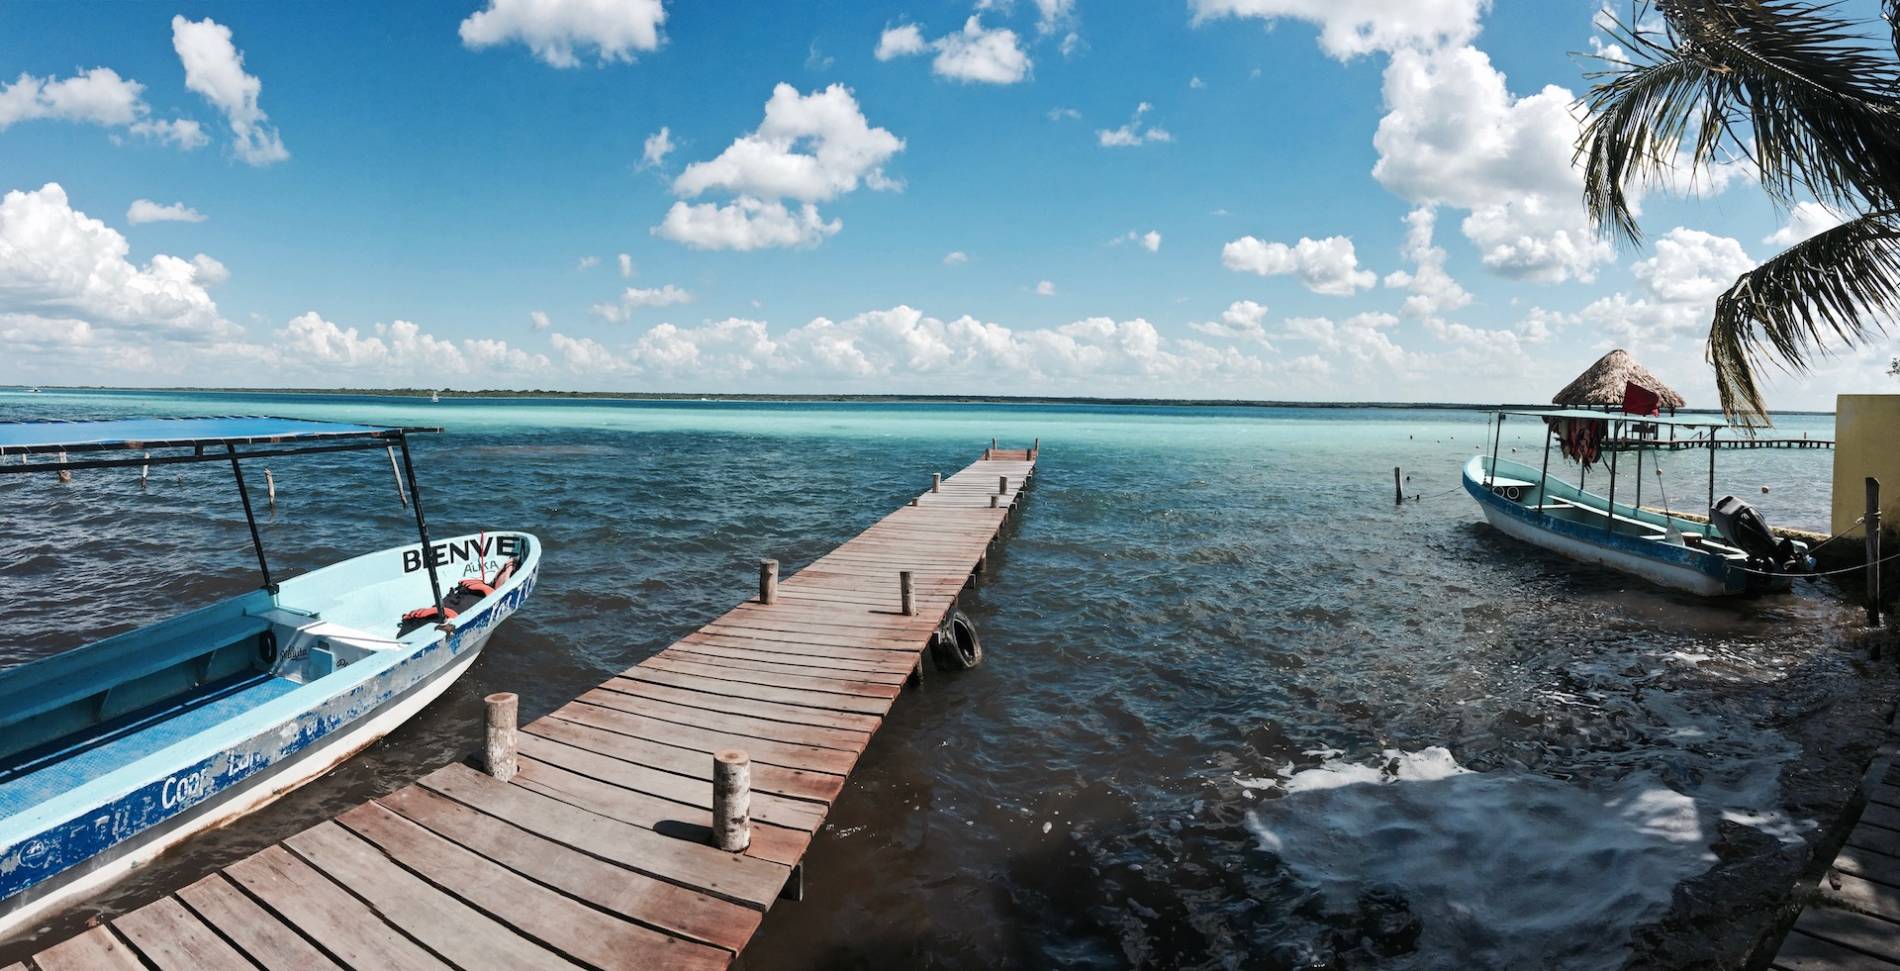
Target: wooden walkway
(598,853)
(1852,919)
(1674,445)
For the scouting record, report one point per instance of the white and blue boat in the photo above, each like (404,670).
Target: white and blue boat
(1730,553)
(113,752)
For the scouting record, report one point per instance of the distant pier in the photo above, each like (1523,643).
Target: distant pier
(594,838)
(1678,444)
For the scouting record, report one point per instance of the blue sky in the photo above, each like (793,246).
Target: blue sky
(1351,199)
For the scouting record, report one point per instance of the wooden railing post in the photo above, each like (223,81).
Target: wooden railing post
(1002,485)
(906,595)
(732,800)
(936,482)
(768,581)
(499,753)
(1873,552)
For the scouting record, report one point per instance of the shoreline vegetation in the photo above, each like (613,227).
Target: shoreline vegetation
(971,399)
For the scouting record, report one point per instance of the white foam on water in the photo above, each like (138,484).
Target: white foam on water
(1507,869)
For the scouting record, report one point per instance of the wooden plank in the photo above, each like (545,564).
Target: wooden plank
(323,911)
(804,757)
(1859,932)
(814,735)
(1804,952)
(462,935)
(612,888)
(1876,839)
(263,937)
(819,636)
(775,809)
(792,783)
(823,665)
(716,701)
(872,658)
(873,704)
(1862,894)
(680,822)
(1877,814)
(730,876)
(94,950)
(558,921)
(840,686)
(171,938)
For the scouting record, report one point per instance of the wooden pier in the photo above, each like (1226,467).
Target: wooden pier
(599,850)
(1678,444)
(1851,921)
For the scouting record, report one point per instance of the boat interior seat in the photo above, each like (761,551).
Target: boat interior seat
(46,699)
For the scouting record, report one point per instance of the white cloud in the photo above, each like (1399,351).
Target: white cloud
(812,148)
(979,54)
(538,319)
(902,40)
(665,296)
(1691,266)
(745,224)
(1054,15)
(1431,291)
(656,148)
(399,351)
(1134,133)
(558,31)
(58,263)
(587,263)
(1349,28)
(99,96)
(1454,135)
(147,211)
(1064,114)
(1243,320)
(1195,83)
(955,257)
(214,68)
(1361,338)
(1044,288)
(1805,220)
(1150,240)
(1326,266)
(183,134)
(626,265)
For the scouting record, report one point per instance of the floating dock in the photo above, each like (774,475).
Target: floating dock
(599,851)
(1851,921)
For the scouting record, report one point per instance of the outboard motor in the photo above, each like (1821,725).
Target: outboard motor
(1741,525)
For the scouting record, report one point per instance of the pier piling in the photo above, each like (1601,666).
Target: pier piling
(498,755)
(1873,552)
(936,482)
(732,800)
(996,501)
(906,597)
(145,471)
(1398,488)
(270,487)
(65,475)
(1002,485)
(768,581)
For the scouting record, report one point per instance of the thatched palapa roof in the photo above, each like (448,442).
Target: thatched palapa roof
(1601,385)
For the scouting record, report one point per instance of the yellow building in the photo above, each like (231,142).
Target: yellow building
(1866,442)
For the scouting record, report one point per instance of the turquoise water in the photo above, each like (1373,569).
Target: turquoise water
(1239,709)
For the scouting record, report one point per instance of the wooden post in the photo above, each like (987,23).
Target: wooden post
(768,581)
(397,472)
(1036,449)
(499,753)
(732,800)
(1002,485)
(906,597)
(996,501)
(270,487)
(65,475)
(936,482)
(1873,552)
(1398,488)
(145,471)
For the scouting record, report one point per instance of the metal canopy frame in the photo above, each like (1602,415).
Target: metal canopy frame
(225,449)
(1550,434)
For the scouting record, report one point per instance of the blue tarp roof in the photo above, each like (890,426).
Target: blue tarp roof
(146,433)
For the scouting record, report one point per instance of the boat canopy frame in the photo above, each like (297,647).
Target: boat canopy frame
(232,439)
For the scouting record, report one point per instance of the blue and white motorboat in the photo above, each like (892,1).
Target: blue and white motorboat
(1732,552)
(113,752)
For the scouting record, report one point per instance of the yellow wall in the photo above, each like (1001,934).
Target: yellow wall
(1866,442)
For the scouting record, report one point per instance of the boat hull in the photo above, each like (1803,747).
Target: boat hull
(54,853)
(1673,576)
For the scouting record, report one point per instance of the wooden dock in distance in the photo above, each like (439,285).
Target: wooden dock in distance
(1852,920)
(599,852)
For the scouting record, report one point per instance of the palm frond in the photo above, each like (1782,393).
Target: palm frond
(1638,122)
(1842,284)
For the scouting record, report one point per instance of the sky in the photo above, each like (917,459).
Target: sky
(1259,199)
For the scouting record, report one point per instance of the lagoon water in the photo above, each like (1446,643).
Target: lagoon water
(1238,709)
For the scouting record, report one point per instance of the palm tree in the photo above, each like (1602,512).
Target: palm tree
(1812,100)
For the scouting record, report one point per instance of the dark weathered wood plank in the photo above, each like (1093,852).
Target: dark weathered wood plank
(267,940)
(171,938)
(323,911)
(1857,931)
(96,949)
(681,822)
(1804,952)
(563,924)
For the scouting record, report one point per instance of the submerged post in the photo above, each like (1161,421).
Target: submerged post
(768,581)
(1873,552)
(396,471)
(732,800)
(270,487)
(936,482)
(906,596)
(498,752)
(65,475)
(1398,488)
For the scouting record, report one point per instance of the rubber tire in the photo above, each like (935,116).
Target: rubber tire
(956,646)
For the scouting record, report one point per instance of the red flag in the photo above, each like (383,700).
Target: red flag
(1638,400)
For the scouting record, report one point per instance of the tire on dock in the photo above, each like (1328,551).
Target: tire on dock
(956,646)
